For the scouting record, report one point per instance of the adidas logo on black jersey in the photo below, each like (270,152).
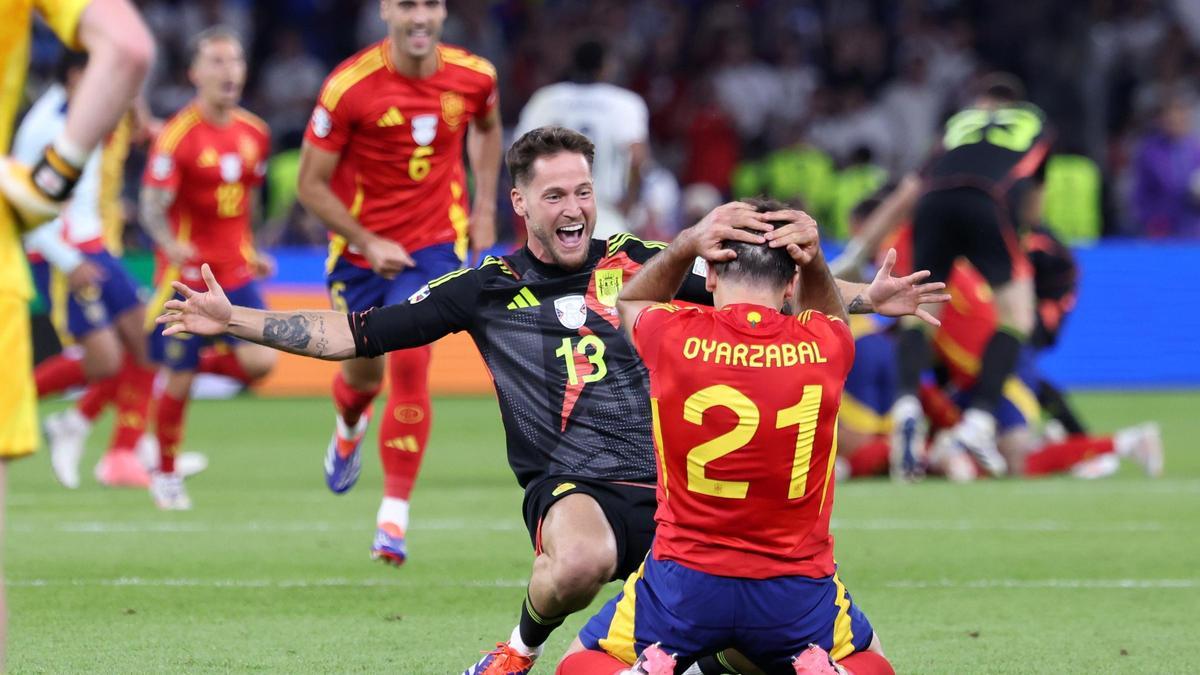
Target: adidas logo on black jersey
(523,299)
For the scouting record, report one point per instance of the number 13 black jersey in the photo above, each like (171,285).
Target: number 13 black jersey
(573,393)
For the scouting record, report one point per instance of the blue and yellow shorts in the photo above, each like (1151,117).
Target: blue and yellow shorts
(77,314)
(693,614)
(355,289)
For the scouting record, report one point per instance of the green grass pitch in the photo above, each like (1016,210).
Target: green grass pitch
(270,572)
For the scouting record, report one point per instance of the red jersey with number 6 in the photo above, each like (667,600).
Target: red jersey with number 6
(212,170)
(400,144)
(745,403)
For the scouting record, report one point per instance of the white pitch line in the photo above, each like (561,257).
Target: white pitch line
(263,583)
(468,525)
(1048,583)
(167,527)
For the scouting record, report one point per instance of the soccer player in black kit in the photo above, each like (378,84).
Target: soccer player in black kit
(573,394)
(990,162)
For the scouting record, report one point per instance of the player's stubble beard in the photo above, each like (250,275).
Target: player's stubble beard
(547,240)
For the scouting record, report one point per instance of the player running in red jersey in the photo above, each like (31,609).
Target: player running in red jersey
(198,195)
(382,166)
(745,401)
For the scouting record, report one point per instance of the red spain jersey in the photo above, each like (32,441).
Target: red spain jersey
(745,403)
(968,322)
(212,171)
(400,144)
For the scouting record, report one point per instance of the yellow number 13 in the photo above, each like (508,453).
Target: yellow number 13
(803,415)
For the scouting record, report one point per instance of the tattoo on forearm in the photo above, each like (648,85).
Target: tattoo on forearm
(858,305)
(154,204)
(294,332)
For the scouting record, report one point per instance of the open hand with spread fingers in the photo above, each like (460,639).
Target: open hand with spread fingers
(198,313)
(900,296)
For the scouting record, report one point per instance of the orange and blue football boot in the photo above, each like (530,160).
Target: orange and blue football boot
(389,545)
(503,660)
(342,459)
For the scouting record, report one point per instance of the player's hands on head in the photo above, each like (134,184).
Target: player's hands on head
(86,275)
(735,221)
(197,313)
(800,236)
(386,257)
(481,230)
(901,296)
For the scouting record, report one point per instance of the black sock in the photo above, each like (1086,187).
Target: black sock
(534,627)
(1055,403)
(912,350)
(999,361)
(715,665)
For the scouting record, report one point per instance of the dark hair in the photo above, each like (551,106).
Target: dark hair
(1003,87)
(588,60)
(210,34)
(69,61)
(758,263)
(543,142)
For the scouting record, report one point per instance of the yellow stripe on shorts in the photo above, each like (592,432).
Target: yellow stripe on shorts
(164,293)
(843,634)
(619,641)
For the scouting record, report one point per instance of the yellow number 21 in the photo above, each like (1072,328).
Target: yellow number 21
(803,415)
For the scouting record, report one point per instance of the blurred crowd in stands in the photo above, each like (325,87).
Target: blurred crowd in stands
(821,102)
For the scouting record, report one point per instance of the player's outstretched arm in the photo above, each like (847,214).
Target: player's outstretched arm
(320,334)
(662,276)
(891,212)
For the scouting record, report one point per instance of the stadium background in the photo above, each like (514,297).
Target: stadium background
(270,574)
(818,103)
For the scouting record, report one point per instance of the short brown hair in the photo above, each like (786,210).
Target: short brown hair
(758,263)
(543,142)
(215,33)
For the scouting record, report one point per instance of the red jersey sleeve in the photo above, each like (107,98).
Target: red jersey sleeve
(332,118)
(649,329)
(163,168)
(264,152)
(489,96)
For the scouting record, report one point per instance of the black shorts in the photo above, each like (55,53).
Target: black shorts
(966,222)
(629,508)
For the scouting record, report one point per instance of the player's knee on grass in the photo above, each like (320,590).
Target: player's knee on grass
(579,571)
(1015,444)
(580,548)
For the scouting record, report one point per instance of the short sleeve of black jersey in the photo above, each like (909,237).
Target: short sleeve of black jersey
(641,252)
(443,306)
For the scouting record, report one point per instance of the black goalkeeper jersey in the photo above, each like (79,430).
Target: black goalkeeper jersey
(573,393)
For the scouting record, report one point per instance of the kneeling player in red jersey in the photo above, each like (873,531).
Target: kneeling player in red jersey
(197,193)
(745,402)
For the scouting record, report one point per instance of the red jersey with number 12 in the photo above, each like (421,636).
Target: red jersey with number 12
(212,170)
(400,144)
(745,403)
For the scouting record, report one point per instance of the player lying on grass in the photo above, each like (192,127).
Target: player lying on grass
(959,343)
(572,393)
(746,402)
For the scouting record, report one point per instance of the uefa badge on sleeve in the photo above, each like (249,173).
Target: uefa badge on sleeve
(321,122)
